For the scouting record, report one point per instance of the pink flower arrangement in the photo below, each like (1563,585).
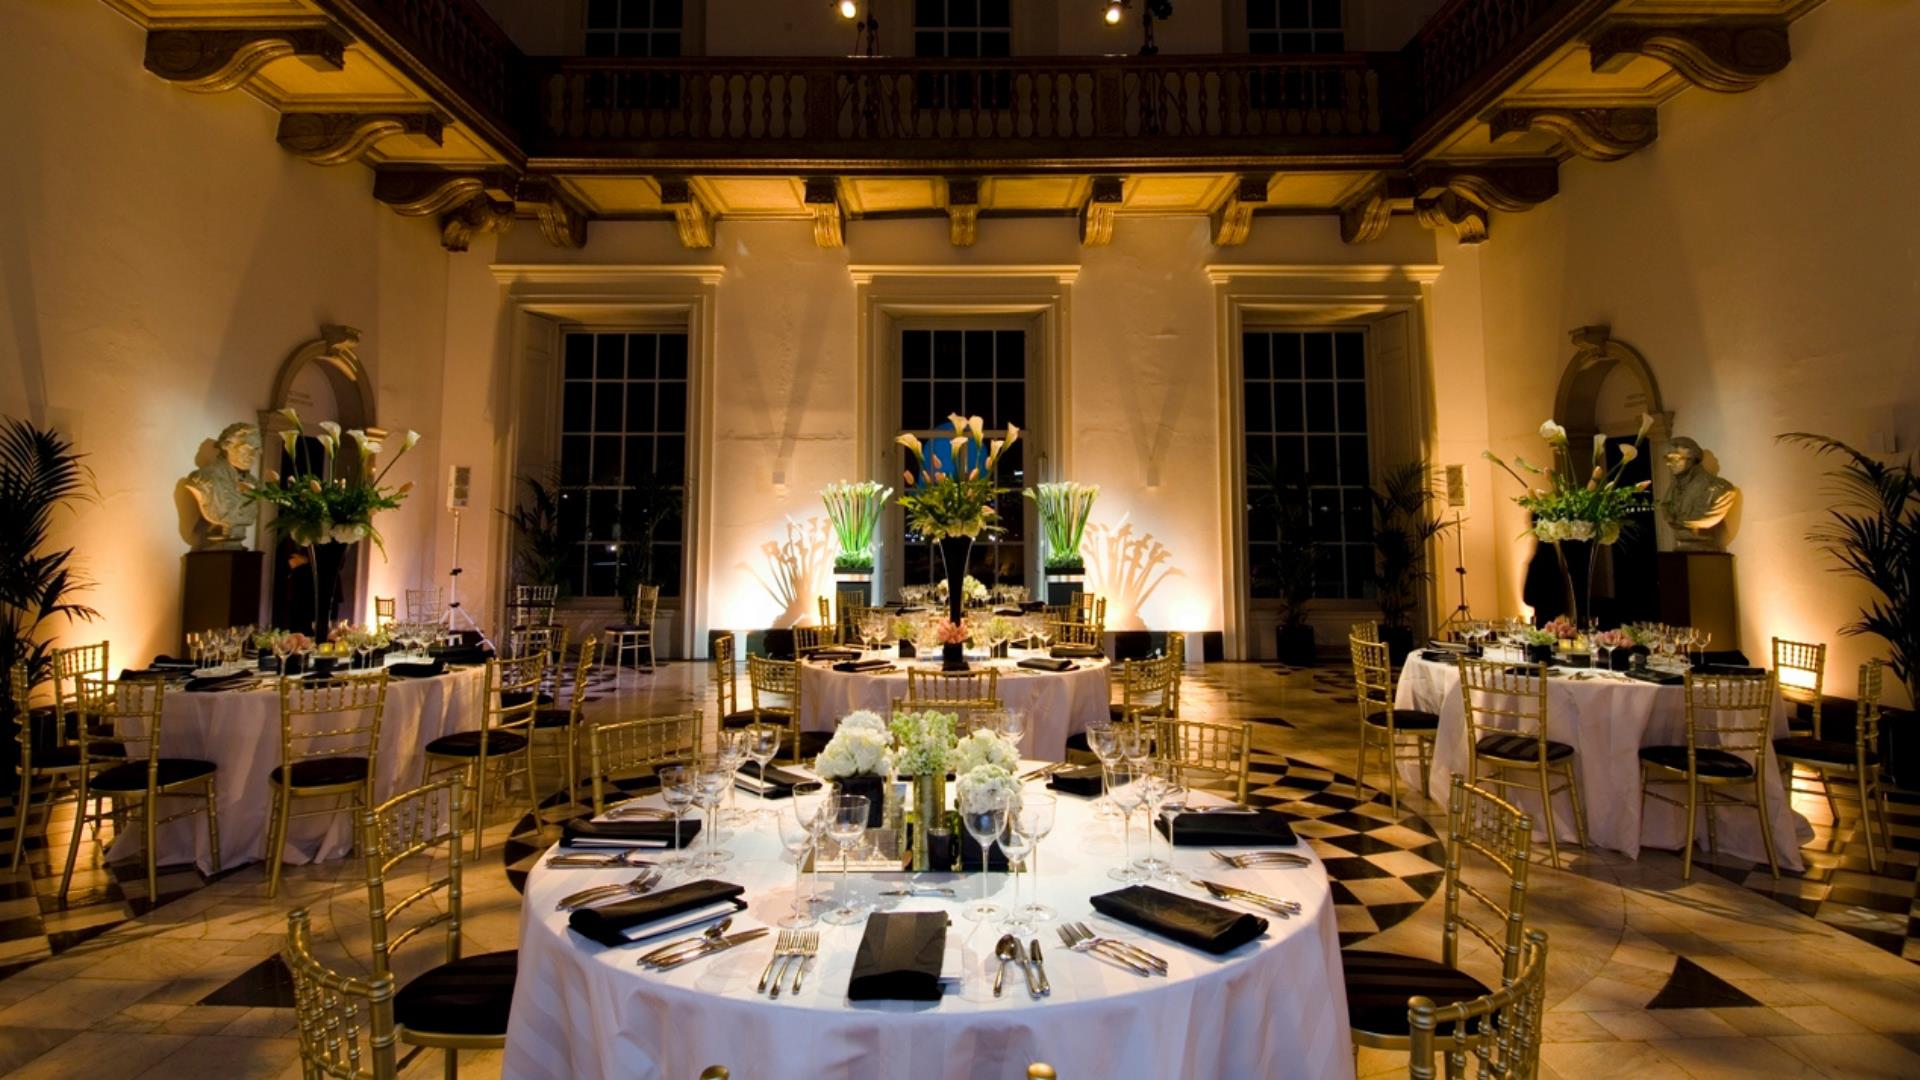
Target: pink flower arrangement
(1562,627)
(953,633)
(1614,639)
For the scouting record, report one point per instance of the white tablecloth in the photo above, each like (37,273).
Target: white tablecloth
(1058,704)
(1606,719)
(240,733)
(1275,1008)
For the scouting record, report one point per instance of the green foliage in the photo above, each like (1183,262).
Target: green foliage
(854,508)
(539,550)
(938,505)
(1404,523)
(1292,508)
(39,472)
(1063,508)
(315,508)
(644,507)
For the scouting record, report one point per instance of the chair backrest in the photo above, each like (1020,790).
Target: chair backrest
(70,665)
(808,639)
(980,684)
(582,671)
(413,824)
(1483,824)
(1177,652)
(1146,689)
(426,605)
(1203,751)
(646,604)
(1866,728)
(968,713)
(1090,608)
(384,611)
(1372,673)
(18,690)
(512,693)
(329,717)
(1504,698)
(122,713)
(1807,663)
(1493,1037)
(767,676)
(538,640)
(630,747)
(726,675)
(345,1024)
(826,626)
(850,606)
(1730,712)
(533,604)
(1364,631)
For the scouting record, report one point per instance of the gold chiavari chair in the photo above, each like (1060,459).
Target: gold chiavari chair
(1502,1030)
(426,605)
(345,1024)
(1506,707)
(968,714)
(1079,633)
(850,606)
(462,1003)
(542,640)
(1805,690)
(1858,761)
(384,611)
(533,604)
(1089,608)
(1711,761)
(1383,725)
(1379,984)
(769,678)
(636,748)
(826,624)
(1206,753)
(55,765)
(117,717)
(637,635)
(810,639)
(329,740)
(503,738)
(726,681)
(978,685)
(1146,691)
(70,666)
(564,724)
(1177,652)
(1364,631)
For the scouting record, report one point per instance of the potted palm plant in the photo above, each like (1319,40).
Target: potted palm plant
(539,547)
(1290,577)
(1404,524)
(39,473)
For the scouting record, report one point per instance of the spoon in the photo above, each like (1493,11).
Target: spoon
(1007,949)
(710,935)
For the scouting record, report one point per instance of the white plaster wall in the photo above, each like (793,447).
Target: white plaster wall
(1764,254)
(160,255)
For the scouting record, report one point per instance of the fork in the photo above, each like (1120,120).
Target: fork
(1079,938)
(606,859)
(1250,859)
(783,947)
(646,880)
(806,947)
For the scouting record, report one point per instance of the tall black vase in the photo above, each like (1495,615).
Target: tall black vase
(954,551)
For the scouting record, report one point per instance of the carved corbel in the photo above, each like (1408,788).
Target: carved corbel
(210,61)
(823,198)
(337,138)
(562,220)
(1096,217)
(1508,186)
(1366,218)
(420,192)
(963,210)
(478,216)
(1728,56)
(1601,134)
(1234,219)
(690,215)
(1466,218)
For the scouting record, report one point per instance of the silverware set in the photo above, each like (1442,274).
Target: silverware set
(1008,950)
(792,949)
(1286,909)
(1045,771)
(1253,860)
(1080,938)
(599,894)
(714,940)
(612,859)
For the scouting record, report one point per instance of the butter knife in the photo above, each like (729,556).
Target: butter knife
(1040,966)
(1286,909)
(709,948)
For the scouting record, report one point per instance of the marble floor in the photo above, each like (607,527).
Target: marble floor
(1650,976)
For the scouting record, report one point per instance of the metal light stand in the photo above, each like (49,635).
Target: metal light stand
(456,615)
(1462,613)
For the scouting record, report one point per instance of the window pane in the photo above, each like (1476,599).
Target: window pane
(639,457)
(1012,405)
(673,356)
(963,13)
(916,354)
(916,408)
(636,14)
(948,397)
(1260,14)
(1010,354)
(1353,406)
(995,13)
(670,459)
(1288,412)
(640,355)
(1259,407)
(666,14)
(610,350)
(1326,14)
(930,12)
(606,459)
(1319,353)
(573,516)
(1321,459)
(640,407)
(1351,351)
(978,348)
(947,356)
(575,459)
(607,411)
(672,405)
(1286,356)
(576,414)
(579,350)
(1290,457)
(1320,414)
(1259,450)
(603,14)
(1353,460)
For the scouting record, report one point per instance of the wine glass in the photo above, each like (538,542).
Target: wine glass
(762,742)
(677,790)
(846,823)
(1013,725)
(1035,820)
(1016,846)
(282,645)
(799,836)
(1173,801)
(733,754)
(709,784)
(985,818)
(1152,782)
(1702,639)
(1123,787)
(1104,741)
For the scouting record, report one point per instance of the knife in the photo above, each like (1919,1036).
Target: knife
(1283,908)
(708,948)
(1039,965)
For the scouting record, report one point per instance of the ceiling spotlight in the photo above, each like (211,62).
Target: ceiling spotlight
(849,9)
(1113,12)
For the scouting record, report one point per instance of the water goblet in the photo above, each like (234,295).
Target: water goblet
(710,783)
(1035,820)
(733,754)
(1013,725)
(282,645)
(762,742)
(985,818)
(677,791)
(800,837)
(1016,846)
(1153,784)
(1123,787)
(1103,740)
(1173,801)
(846,817)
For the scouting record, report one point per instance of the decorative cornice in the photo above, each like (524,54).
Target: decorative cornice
(420,192)
(1367,217)
(823,200)
(963,210)
(212,61)
(1233,221)
(1467,219)
(690,215)
(337,138)
(591,273)
(1596,132)
(563,221)
(1508,186)
(476,217)
(1728,56)
(1344,273)
(867,273)
(1096,216)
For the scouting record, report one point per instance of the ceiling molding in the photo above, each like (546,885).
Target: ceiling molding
(867,273)
(601,273)
(1233,221)
(340,138)
(1597,133)
(1097,214)
(1346,273)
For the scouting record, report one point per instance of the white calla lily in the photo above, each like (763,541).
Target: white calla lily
(910,441)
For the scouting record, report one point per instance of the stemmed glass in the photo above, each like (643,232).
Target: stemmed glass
(847,825)
(1123,787)
(733,754)
(1013,725)
(986,822)
(282,644)
(194,650)
(1702,639)
(305,652)
(1104,741)
(677,791)
(1016,846)
(800,834)
(1173,801)
(1153,784)
(762,742)
(712,781)
(1034,820)
(363,648)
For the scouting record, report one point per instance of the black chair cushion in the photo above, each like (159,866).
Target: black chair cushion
(1379,984)
(1520,748)
(468,996)
(1827,751)
(467,744)
(133,775)
(1712,761)
(552,718)
(629,628)
(1407,720)
(324,771)
(737,719)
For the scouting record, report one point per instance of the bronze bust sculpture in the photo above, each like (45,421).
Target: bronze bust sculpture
(1697,501)
(223,490)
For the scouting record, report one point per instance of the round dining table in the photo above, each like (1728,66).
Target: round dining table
(1606,717)
(1057,703)
(1273,1008)
(239,731)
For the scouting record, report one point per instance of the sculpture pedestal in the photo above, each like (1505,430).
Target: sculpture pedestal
(1696,589)
(219,589)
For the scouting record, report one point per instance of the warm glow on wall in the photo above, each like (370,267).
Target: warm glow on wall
(1113,12)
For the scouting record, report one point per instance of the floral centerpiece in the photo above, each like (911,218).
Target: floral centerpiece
(972,591)
(854,509)
(924,749)
(1569,503)
(1064,507)
(980,789)
(951,500)
(953,635)
(984,748)
(859,759)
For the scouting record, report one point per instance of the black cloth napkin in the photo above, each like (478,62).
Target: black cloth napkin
(609,923)
(165,661)
(581,833)
(1436,657)
(1730,669)
(899,957)
(1083,781)
(417,670)
(150,673)
(1028,607)
(1041,663)
(1658,678)
(876,664)
(1008,612)
(461,654)
(1081,652)
(218,682)
(1262,828)
(779,782)
(1208,927)
(833,654)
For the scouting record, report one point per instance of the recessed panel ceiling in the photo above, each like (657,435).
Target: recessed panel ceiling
(754,196)
(889,194)
(1173,193)
(293,83)
(613,196)
(1641,80)
(1315,190)
(457,147)
(1034,192)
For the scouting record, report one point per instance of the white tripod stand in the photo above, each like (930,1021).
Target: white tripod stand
(457,618)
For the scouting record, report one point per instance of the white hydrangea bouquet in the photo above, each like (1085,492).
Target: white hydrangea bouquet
(983,748)
(860,746)
(982,786)
(925,742)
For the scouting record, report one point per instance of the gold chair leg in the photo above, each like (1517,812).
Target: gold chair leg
(1426,764)
(1711,803)
(1826,788)
(1693,812)
(452,1070)
(479,806)
(277,837)
(23,812)
(150,828)
(1393,772)
(1573,792)
(73,842)
(573,763)
(1546,810)
(1867,790)
(213,824)
(1766,822)
(1360,767)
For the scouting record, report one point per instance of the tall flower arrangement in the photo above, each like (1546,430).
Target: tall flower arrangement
(854,509)
(335,504)
(942,503)
(1064,507)
(1572,503)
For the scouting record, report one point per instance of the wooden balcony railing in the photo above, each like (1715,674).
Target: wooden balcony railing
(1070,107)
(453,46)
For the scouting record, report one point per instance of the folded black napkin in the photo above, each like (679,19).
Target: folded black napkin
(165,661)
(413,670)
(834,654)
(127,674)
(1433,657)
(461,654)
(1262,828)
(1028,607)
(1730,669)
(899,957)
(610,924)
(1083,781)
(1008,612)
(1208,927)
(774,783)
(876,664)
(218,682)
(1041,663)
(651,832)
(1658,678)
(1076,651)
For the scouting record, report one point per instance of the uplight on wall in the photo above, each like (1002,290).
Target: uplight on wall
(1112,15)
